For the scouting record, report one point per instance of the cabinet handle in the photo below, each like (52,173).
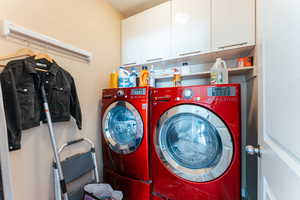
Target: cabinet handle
(134,63)
(155,59)
(189,53)
(233,45)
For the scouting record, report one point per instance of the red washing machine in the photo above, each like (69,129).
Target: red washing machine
(125,141)
(195,143)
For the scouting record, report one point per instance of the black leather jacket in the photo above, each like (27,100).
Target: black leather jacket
(22,101)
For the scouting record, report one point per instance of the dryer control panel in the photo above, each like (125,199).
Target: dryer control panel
(221,91)
(195,93)
(187,93)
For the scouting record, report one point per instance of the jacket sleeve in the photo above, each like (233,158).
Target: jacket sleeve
(75,105)
(12,109)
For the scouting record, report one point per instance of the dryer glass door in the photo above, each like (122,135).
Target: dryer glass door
(122,127)
(194,143)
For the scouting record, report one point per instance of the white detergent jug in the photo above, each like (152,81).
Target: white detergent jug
(124,78)
(219,72)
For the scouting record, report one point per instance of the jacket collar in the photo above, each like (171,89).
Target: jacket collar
(54,68)
(30,64)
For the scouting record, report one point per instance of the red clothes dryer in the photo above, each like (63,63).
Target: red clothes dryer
(195,143)
(125,141)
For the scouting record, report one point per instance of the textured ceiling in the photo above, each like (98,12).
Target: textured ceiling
(131,7)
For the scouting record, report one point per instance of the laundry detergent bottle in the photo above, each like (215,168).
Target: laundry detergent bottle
(144,77)
(123,80)
(219,72)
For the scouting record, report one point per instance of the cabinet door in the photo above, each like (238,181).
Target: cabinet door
(233,23)
(156,44)
(131,40)
(191,30)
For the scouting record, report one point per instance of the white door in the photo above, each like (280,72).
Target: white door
(279,168)
(131,40)
(233,23)
(191,31)
(7,191)
(156,43)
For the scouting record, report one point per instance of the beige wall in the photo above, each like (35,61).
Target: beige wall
(92,25)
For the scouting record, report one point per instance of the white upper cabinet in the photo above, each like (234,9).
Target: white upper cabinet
(181,28)
(156,44)
(146,37)
(191,27)
(132,37)
(233,23)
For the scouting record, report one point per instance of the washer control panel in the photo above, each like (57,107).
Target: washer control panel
(187,93)
(138,91)
(120,93)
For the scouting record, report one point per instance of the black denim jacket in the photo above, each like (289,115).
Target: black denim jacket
(22,101)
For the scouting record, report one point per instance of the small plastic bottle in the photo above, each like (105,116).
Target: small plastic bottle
(176,78)
(152,77)
(113,83)
(219,72)
(133,78)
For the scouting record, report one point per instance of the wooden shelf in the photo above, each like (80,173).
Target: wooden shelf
(206,74)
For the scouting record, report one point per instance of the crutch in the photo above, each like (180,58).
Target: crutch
(54,145)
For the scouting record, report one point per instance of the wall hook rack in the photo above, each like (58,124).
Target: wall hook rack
(8,29)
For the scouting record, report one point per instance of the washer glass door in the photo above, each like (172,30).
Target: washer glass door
(122,127)
(193,143)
